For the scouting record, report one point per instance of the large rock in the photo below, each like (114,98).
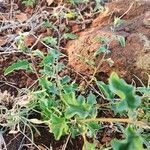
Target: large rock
(133,59)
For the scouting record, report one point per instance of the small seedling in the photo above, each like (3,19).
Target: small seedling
(29,3)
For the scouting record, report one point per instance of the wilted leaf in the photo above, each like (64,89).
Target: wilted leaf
(3,41)
(29,40)
(36,121)
(49,2)
(70,36)
(110,62)
(70,15)
(23,102)
(12,132)
(21,17)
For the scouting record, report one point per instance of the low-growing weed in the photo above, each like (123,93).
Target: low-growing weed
(67,112)
(29,2)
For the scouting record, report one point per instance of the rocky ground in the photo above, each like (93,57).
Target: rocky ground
(129,60)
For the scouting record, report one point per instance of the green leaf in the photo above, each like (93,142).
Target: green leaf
(102,49)
(43,81)
(54,52)
(125,91)
(103,39)
(50,87)
(29,2)
(105,90)
(119,106)
(38,53)
(51,57)
(47,105)
(143,89)
(79,107)
(88,146)
(81,111)
(59,66)
(48,24)
(78,1)
(99,6)
(91,99)
(65,79)
(20,64)
(47,71)
(80,100)
(70,36)
(68,98)
(93,127)
(122,41)
(133,141)
(69,88)
(48,60)
(58,126)
(50,41)
(118,21)
(75,131)
(87,61)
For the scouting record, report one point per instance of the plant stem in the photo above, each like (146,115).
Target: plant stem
(114,120)
(124,120)
(95,70)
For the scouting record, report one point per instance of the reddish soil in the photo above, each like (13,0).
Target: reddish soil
(133,59)
(18,79)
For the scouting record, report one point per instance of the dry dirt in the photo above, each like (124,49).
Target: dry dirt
(133,59)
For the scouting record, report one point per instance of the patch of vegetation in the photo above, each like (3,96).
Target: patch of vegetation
(66,111)
(28,3)
(58,101)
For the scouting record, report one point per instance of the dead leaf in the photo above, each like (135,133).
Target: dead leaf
(29,40)
(75,28)
(36,121)
(29,10)
(13,132)
(41,147)
(49,2)
(3,41)
(21,17)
